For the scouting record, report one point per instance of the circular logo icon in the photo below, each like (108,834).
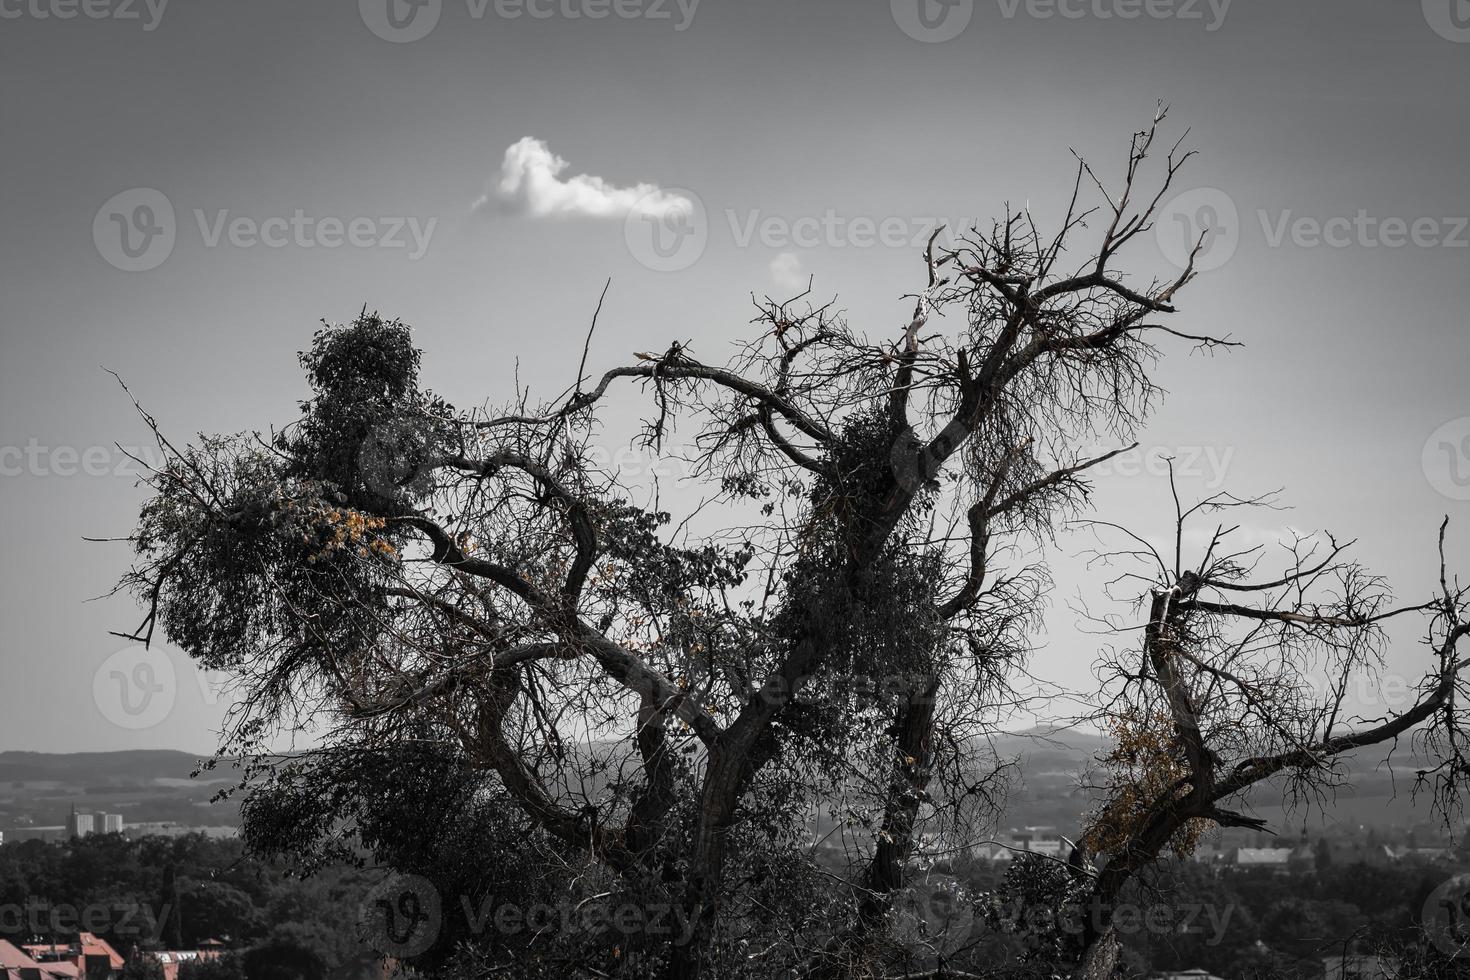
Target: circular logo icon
(401,916)
(1206,218)
(1446,916)
(135,230)
(1450,19)
(936,914)
(1446,458)
(932,21)
(394,457)
(135,688)
(400,21)
(667,231)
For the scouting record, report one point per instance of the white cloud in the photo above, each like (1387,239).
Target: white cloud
(530,183)
(786,271)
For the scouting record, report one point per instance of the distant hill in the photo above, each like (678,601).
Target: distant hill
(40,788)
(145,786)
(1053,763)
(93,766)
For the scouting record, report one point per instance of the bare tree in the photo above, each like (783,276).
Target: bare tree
(833,626)
(1244,674)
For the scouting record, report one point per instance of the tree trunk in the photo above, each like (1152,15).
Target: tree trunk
(913,729)
(722,787)
(1100,958)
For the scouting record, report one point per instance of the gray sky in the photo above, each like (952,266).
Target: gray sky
(824,110)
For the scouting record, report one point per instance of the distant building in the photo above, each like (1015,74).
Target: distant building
(172,959)
(1276,858)
(78,824)
(1034,840)
(1359,966)
(1425,855)
(1040,840)
(85,824)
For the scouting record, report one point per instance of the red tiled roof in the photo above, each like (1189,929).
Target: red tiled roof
(70,959)
(16,965)
(95,946)
(12,957)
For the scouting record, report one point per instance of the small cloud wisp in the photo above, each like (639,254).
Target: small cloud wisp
(531,183)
